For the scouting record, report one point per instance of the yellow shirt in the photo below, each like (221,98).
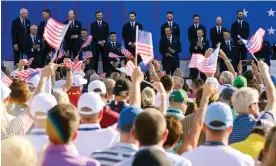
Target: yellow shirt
(252,145)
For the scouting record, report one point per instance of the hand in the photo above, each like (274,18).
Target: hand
(263,67)
(48,70)
(208,52)
(8,71)
(240,67)
(222,55)
(208,90)
(76,36)
(16,47)
(137,76)
(159,87)
(132,45)
(66,60)
(199,44)
(151,68)
(23,62)
(86,62)
(101,43)
(156,65)
(169,55)
(254,66)
(76,59)
(240,42)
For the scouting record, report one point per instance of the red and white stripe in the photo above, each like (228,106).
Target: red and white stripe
(87,41)
(88,54)
(102,75)
(256,41)
(24,74)
(144,46)
(30,61)
(112,55)
(130,66)
(5,79)
(74,65)
(126,52)
(54,33)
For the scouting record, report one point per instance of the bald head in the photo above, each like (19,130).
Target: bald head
(71,15)
(33,29)
(23,13)
(219,21)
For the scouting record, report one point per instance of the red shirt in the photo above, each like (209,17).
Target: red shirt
(109,117)
(74,94)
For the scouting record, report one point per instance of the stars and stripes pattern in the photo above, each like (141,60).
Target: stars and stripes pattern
(74,65)
(53,56)
(54,33)
(144,46)
(124,51)
(130,66)
(113,55)
(24,74)
(256,41)
(87,54)
(87,41)
(203,64)
(5,79)
(61,53)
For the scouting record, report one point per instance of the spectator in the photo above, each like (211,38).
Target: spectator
(148,96)
(90,108)
(225,97)
(226,79)
(150,130)
(240,82)
(5,93)
(270,156)
(262,101)
(268,140)
(115,76)
(254,143)
(109,84)
(245,102)
(215,151)
(251,80)
(61,97)
(196,84)
(127,146)
(178,82)
(61,127)
(168,84)
(75,91)
(17,151)
(191,108)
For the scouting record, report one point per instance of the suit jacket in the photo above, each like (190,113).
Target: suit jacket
(41,28)
(193,49)
(264,53)
(215,37)
(99,33)
(192,32)
(72,30)
(117,50)
(129,33)
(236,30)
(231,54)
(28,46)
(175,29)
(164,44)
(19,32)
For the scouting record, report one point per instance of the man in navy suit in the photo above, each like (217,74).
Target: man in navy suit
(20,29)
(112,46)
(192,31)
(229,48)
(174,26)
(240,27)
(72,34)
(99,29)
(81,40)
(33,48)
(169,48)
(198,45)
(216,33)
(129,32)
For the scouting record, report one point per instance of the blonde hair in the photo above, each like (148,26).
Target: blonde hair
(148,96)
(61,97)
(18,151)
(109,84)
(270,159)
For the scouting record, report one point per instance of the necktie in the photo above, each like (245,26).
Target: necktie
(100,23)
(113,45)
(171,25)
(132,25)
(219,31)
(240,22)
(169,40)
(23,24)
(228,44)
(33,39)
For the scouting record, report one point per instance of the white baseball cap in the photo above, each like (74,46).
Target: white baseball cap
(81,73)
(78,80)
(92,101)
(97,84)
(42,102)
(5,91)
(213,81)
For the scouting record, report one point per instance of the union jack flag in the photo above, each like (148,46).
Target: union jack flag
(144,46)
(5,79)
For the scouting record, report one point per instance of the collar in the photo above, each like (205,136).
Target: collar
(255,138)
(226,42)
(240,20)
(132,22)
(60,148)
(218,26)
(21,19)
(174,110)
(170,151)
(196,25)
(89,127)
(249,116)
(38,131)
(127,146)
(169,37)
(170,22)
(200,38)
(32,35)
(100,21)
(113,43)
(153,146)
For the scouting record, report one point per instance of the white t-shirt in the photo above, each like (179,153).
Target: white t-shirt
(157,100)
(38,138)
(91,137)
(218,156)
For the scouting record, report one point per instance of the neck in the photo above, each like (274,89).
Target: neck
(83,121)
(110,97)
(127,138)
(160,144)
(220,138)
(40,124)
(176,106)
(120,98)
(22,17)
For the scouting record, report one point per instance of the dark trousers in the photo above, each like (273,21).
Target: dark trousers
(170,64)
(194,74)
(242,54)
(95,60)
(222,66)
(17,55)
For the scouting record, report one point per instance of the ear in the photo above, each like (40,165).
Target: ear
(165,135)
(133,134)
(204,128)
(75,135)
(230,129)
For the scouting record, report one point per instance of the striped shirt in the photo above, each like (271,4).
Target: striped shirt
(15,127)
(119,152)
(242,127)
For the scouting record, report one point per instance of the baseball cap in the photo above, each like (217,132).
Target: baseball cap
(81,73)
(179,96)
(264,125)
(227,93)
(34,80)
(5,91)
(219,112)
(92,101)
(97,84)
(240,81)
(127,117)
(213,81)
(78,80)
(122,85)
(42,102)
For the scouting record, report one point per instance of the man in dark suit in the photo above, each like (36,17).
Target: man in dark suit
(72,34)
(33,48)
(169,48)
(47,48)
(273,51)
(198,45)
(174,26)
(192,31)
(229,48)
(240,27)
(129,32)
(81,40)
(265,53)
(216,33)
(20,29)
(99,29)
(112,46)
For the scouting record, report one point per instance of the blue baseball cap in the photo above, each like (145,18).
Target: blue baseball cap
(219,112)
(127,117)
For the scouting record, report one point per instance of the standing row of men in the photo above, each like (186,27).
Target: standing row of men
(169,46)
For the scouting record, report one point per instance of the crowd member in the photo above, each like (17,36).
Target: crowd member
(17,150)
(115,76)
(196,84)
(218,123)
(61,97)
(61,128)
(90,109)
(178,82)
(251,80)
(240,82)
(268,141)
(225,97)
(75,91)
(168,84)
(127,146)
(109,84)
(153,123)
(270,157)
(148,96)
(226,79)
(254,143)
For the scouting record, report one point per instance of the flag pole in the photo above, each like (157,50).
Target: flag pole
(136,62)
(250,53)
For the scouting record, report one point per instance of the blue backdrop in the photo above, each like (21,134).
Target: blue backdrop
(151,14)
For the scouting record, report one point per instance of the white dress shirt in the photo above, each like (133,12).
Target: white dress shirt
(91,137)
(219,29)
(196,26)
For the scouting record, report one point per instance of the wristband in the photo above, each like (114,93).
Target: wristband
(157,71)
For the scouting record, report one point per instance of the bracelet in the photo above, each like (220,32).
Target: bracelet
(157,71)
(152,73)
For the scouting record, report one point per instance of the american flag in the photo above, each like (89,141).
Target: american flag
(112,55)
(124,51)
(203,64)
(102,75)
(130,66)
(87,41)
(61,53)
(87,55)
(144,46)
(30,61)
(53,56)
(256,41)
(54,33)
(74,65)
(24,74)
(5,79)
